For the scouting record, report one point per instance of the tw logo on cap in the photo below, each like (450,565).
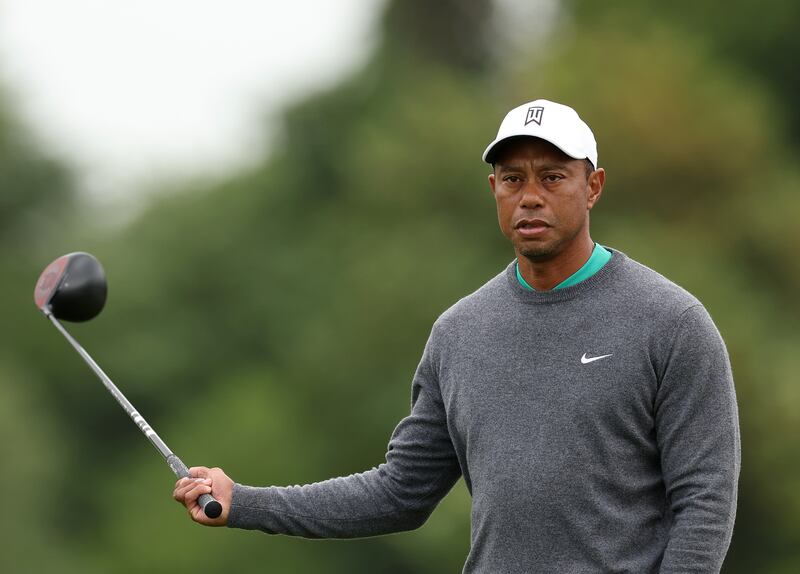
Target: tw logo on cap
(534,115)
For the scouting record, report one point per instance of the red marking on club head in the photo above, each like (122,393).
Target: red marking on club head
(49,280)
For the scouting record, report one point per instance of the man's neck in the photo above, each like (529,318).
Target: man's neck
(545,274)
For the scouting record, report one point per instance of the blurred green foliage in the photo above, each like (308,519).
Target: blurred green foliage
(270,324)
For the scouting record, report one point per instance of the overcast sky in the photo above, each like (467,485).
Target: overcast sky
(128,91)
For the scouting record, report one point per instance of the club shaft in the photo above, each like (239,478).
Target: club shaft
(117,394)
(211,507)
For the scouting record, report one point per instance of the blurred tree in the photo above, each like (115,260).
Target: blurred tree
(449,33)
(758,37)
(36,198)
(35,188)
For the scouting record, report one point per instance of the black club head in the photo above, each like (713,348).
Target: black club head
(72,288)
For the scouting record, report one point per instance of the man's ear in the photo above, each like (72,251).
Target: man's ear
(597,180)
(491,182)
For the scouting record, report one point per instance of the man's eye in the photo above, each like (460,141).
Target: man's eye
(553,178)
(512,179)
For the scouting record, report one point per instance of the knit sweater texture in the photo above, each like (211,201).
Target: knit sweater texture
(595,427)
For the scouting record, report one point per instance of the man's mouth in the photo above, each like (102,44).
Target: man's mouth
(531,227)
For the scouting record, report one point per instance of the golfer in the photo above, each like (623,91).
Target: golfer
(586,400)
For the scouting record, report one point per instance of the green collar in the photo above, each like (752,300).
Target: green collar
(599,257)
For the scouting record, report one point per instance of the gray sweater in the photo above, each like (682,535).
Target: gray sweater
(595,427)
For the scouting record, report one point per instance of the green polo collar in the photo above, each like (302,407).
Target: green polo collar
(599,257)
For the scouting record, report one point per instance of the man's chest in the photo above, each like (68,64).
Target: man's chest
(560,390)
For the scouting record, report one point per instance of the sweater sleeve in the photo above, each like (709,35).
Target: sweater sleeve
(400,494)
(698,435)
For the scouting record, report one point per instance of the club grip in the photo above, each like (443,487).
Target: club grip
(210,505)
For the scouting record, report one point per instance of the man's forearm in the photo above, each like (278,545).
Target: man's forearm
(355,506)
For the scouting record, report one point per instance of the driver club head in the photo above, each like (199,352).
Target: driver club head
(72,288)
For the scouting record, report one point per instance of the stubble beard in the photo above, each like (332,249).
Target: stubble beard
(538,252)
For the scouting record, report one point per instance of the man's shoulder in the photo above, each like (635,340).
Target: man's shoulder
(479,302)
(646,279)
(641,286)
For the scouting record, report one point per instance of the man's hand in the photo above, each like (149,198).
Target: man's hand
(205,480)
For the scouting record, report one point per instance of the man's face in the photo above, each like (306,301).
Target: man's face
(543,197)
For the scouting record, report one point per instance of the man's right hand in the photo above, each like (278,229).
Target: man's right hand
(205,480)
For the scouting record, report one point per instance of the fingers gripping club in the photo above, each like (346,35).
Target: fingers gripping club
(211,507)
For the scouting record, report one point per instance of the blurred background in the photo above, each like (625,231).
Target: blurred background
(285,197)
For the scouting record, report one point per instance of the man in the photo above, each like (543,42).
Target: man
(586,400)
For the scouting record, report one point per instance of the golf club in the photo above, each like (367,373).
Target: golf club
(73,288)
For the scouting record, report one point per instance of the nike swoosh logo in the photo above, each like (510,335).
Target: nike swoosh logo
(586,360)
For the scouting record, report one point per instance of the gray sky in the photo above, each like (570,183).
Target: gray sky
(131,91)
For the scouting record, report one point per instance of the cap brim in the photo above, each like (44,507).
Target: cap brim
(488,154)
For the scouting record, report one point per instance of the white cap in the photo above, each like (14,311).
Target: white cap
(556,123)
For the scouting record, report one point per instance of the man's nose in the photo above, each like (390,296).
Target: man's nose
(531,196)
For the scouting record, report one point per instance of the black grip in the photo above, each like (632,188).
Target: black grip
(210,505)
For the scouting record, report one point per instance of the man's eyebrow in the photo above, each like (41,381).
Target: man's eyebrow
(562,165)
(501,167)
